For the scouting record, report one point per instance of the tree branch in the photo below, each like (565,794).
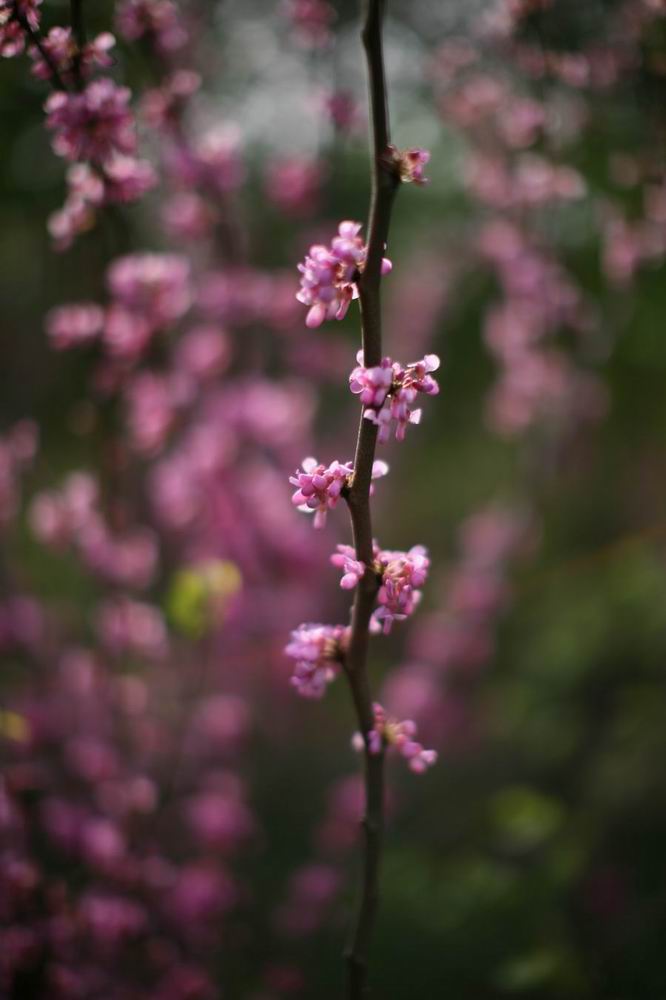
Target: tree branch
(79,32)
(385,181)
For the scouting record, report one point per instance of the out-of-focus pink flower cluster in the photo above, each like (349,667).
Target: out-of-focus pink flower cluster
(72,517)
(388,392)
(12,33)
(17,451)
(63,52)
(329,275)
(156,21)
(446,655)
(94,128)
(149,293)
(91,121)
(311,21)
(399,736)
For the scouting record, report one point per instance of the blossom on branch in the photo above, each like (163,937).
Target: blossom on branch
(402,574)
(354,569)
(329,275)
(411,165)
(390,389)
(319,488)
(93,124)
(60,45)
(388,732)
(318,651)
(156,21)
(12,32)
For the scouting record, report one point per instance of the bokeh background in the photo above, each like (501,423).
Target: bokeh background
(529,862)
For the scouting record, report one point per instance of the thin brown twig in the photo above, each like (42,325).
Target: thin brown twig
(385,181)
(79,32)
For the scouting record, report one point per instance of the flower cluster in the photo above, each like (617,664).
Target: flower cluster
(317,650)
(149,292)
(411,165)
(390,389)
(12,33)
(95,130)
(401,574)
(388,732)
(71,517)
(311,20)
(319,488)
(64,54)
(330,275)
(156,20)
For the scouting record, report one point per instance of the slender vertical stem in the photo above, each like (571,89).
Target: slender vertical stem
(384,184)
(79,32)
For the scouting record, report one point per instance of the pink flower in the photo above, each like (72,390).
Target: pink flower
(411,164)
(318,651)
(372,385)
(293,184)
(353,568)
(158,21)
(319,488)
(155,287)
(132,628)
(203,353)
(187,216)
(311,20)
(390,733)
(93,124)
(73,325)
(329,275)
(127,179)
(389,391)
(402,573)
(61,46)
(12,35)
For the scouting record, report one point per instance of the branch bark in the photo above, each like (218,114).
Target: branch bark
(385,180)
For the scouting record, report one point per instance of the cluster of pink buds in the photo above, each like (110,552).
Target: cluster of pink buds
(411,164)
(63,52)
(95,129)
(317,650)
(319,488)
(353,569)
(155,20)
(12,33)
(330,275)
(402,574)
(390,733)
(390,389)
